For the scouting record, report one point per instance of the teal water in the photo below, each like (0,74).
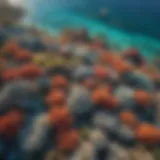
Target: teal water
(53,18)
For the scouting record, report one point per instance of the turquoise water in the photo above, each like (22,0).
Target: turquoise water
(53,18)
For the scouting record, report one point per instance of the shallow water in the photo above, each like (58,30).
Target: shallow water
(125,24)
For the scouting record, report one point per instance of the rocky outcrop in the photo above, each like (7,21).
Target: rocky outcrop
(9,14)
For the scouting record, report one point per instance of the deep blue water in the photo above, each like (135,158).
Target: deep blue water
(128,23)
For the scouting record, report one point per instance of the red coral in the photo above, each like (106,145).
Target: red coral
(30,71)
(68,140)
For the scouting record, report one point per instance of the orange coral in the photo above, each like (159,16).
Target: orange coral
(129,118)
(89,83)
(107,57)
(121,66)
(143,97)
(11,123)
(59,81)
(111,102)
(60,116)
(99,95)
(102,96)
(100,72)
(11,47)
(9,74)
(23,55)
(117,62)
(56,97)
(68,140)
(147,133)
(30,71)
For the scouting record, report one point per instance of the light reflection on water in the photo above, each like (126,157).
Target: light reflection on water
(54,15)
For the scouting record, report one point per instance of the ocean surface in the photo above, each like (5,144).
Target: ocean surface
(125,23)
